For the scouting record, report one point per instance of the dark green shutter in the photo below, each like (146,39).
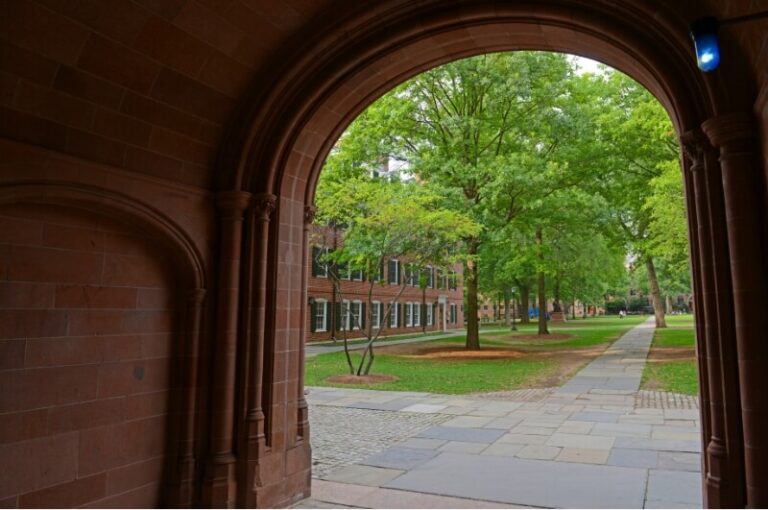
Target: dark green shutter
(400,315)
(327,307)
(315,263)
(362,316)
(338,316)
(312,315)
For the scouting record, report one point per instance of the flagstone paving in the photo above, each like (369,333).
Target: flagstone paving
(594,442)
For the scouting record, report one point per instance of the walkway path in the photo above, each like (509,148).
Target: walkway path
(587,444)
(314,350)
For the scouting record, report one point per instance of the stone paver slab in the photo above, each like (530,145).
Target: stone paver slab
(423,443)
(468,421)
(399,458)
(470,435)
(626,457)
(522,439)
(503,449)
(584,455)
(364,475)
(581,441)
(463,447)
(527,482)
(538,451)
(674,487)
(680,461)
(423,408)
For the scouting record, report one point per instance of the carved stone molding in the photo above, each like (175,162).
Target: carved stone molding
(264,205)
(232,203)
(309,214)
(694,144)
(725,130)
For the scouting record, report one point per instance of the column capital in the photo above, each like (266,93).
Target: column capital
(694,143)
(309,214)
(724,130)
(264,204)
(232,203)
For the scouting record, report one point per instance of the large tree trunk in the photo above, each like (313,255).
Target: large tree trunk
(542,299)
(658,306)
(525,304)
(470,276)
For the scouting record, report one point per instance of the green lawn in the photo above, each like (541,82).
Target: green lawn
(674,376)
(677,376)
(469,376)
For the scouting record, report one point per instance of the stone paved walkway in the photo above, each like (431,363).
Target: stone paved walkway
(587,444)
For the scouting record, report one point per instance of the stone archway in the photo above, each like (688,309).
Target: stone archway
(279,153)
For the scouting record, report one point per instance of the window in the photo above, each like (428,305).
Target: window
(430,310)
(356,274)
(430,277)
(345,316)
(320,315)
(376,315)
(440,279)
(356,316)
(394,271)
(408,315)
(393,318)
(443,281)
(413,275)
(453,280)
(417,314)
(319,266)
(452,319)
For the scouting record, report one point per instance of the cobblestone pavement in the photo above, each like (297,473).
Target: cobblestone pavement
(594,442)
(342,436)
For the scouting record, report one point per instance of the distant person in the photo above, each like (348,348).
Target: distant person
(622,313)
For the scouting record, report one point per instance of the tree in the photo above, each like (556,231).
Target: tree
(383,219)
(636,139)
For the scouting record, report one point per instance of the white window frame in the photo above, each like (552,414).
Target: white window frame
(416,315)
(393,318)
(430,278)
(346,313)
(359,273)
(355,324)
(324,307)
(408,314)
(430,315)
(376,315)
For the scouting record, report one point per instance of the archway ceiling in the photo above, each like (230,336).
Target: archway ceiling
(151,86)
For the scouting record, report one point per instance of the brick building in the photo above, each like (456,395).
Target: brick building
(158,163)
(437,307)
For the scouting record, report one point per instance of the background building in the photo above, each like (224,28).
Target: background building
(437,307)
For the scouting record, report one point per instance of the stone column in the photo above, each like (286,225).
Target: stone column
(264,205)
(302,419)
(745,214)
(723,458)
(187,465)
(219,484)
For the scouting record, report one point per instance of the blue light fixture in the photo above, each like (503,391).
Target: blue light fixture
(704,33)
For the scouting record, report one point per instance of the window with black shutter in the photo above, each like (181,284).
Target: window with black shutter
(394,271)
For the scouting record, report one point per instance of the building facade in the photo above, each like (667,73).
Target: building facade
(405,299)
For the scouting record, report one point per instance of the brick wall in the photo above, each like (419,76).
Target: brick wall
(321,288)
(86,322)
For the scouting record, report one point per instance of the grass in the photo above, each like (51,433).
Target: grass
(674,375)
(453,376)
(434,376)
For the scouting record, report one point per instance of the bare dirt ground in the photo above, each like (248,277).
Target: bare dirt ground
(660,354)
